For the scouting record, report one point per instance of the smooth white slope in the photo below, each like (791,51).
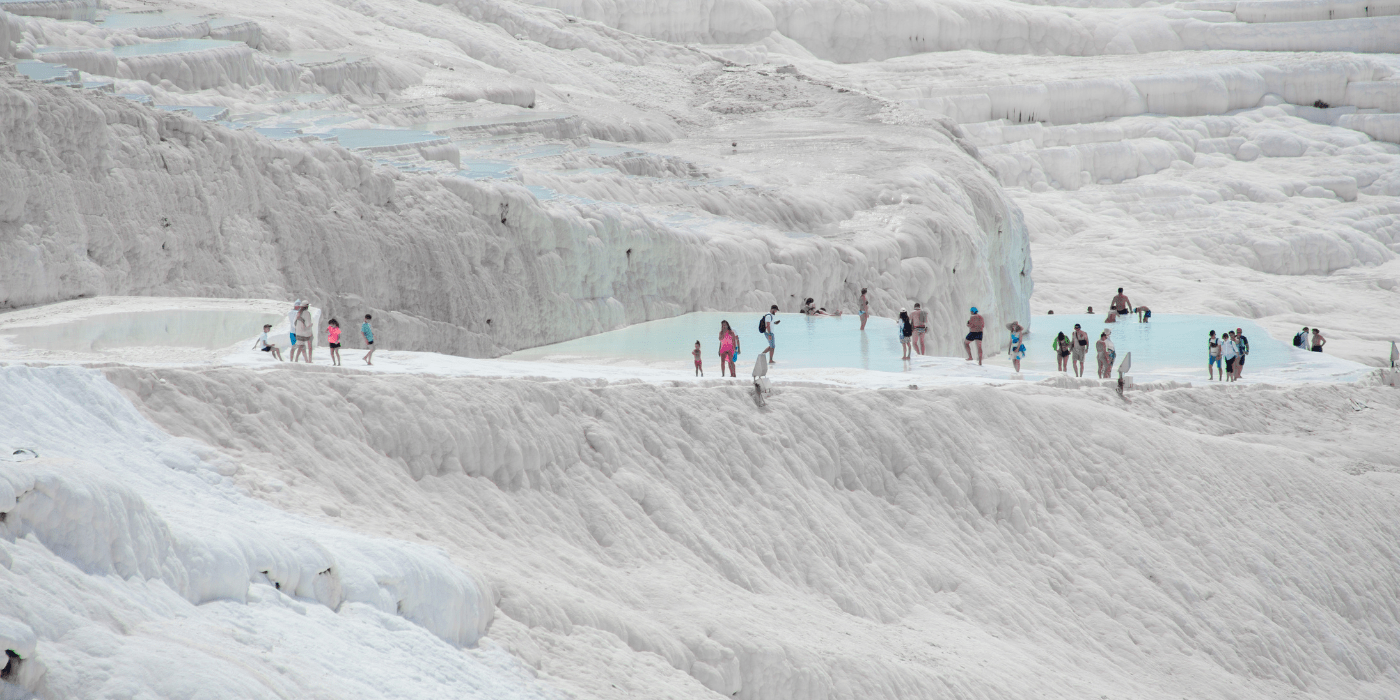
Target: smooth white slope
(981,542)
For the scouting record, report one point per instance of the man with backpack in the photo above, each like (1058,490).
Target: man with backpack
(765,326)
(1301,339)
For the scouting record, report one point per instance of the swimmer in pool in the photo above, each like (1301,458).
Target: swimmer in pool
(699,370)
(1120,304)
(864,308)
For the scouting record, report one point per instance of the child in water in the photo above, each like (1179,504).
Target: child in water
(699,370)
(333,338)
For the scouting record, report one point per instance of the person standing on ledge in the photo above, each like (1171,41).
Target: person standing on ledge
(765,325)
(727,339)
(1317,340)
(1301,339)
(906,333)
(1079,349)
(1229,349)
(1213,359)
(699,370)
(368,334)
(292,329)
(1101,347)
(920,319)
(333,340)
(974,333)
(1062,348)
(302,326)
(1016,349)
(1120,304)
(1242,346)
(864,308)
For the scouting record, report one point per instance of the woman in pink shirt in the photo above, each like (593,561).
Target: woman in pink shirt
(333,337)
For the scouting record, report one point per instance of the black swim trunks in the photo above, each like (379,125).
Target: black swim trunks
(335,346)
(974,335)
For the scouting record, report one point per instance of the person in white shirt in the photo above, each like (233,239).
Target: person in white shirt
(265,345)
(769,320)
(1229,350)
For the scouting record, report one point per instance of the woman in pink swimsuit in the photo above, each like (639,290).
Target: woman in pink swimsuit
(726,349)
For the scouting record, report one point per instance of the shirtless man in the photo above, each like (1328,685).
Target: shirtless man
(1120,304)
(920,319)
(1079,349)
(864,308)
(974,333)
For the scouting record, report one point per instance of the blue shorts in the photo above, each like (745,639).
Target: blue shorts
(1214,360)
(860,313)
(769,336)
(294,338)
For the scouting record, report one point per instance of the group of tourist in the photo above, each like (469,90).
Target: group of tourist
(1313,343)
(302,327)
(1231,348)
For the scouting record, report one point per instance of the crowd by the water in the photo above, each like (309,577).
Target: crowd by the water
(1226,352)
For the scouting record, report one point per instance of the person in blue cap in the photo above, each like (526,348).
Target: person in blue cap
(974,333)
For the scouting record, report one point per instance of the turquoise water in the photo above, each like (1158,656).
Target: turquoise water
(279,133)
(204,113)
(802,341)
(139,20)
(369,138)
(1169,343)
(211,329)
(486,169)
(43,72)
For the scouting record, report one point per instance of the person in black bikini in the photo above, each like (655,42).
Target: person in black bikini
(1062,347)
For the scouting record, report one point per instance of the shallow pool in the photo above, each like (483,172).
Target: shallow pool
(210,329)
(380,138)
(173,46)
(802,341)
(1169,345)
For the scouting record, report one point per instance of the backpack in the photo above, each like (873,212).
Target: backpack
(763,323)
(1298,340)
(908,327)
